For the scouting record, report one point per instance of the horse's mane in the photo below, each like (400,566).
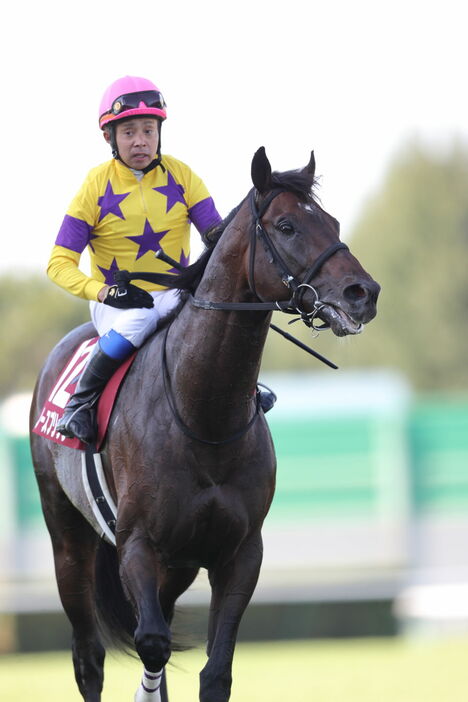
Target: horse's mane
(297,182)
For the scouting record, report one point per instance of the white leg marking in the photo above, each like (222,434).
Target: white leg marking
(149,687)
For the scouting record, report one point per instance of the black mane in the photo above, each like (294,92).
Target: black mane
(296,182)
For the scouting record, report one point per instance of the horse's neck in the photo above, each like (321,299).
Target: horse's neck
(224,347)
(217,358)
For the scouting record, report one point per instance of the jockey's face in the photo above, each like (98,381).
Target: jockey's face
(137,141)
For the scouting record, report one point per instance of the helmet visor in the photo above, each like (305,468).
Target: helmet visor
(130,101)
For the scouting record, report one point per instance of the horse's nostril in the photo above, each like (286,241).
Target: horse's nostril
(356,293)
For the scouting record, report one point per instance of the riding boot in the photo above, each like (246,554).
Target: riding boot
(79,418)
(266,397)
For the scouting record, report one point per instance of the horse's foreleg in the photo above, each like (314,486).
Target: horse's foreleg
(177,580)
(141,576)
(232,587)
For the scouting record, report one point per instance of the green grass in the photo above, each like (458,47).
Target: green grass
(361,670)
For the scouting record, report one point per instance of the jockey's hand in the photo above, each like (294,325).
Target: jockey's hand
(131,296)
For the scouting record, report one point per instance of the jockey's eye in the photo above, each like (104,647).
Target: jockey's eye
(285,227)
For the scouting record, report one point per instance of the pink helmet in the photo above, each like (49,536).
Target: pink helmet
(131,96)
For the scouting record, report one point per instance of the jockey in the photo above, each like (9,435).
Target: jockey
(126,210)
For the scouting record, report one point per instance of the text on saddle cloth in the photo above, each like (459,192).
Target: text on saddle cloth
(52,411)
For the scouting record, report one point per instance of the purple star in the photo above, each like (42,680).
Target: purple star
(108,273)
(183,260)
(173,191)
(110,202)
(148,241)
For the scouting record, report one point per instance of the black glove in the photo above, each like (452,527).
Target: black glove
(131,296)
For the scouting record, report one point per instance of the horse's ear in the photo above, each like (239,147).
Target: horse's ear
(261,171)
(311,165)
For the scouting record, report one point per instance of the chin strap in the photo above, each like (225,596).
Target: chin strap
(154,163)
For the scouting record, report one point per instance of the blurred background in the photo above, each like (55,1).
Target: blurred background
(368,532)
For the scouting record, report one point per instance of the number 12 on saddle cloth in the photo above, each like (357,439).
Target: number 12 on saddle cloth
(64,387)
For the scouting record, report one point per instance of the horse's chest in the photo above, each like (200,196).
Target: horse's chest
(221,507)
(216,521)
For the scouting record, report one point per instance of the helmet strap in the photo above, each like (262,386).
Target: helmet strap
(154,163)
(113,142)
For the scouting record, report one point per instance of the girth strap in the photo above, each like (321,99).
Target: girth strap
(98,493)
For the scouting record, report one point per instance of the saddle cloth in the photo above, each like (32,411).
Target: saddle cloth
(54,406)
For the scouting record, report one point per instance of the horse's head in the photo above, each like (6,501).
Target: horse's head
(302,242)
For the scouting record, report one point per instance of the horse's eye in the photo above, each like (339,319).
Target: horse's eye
(285,227)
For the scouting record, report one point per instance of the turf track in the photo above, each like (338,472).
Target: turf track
(365,670)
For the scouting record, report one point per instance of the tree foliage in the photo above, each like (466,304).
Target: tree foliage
(35,315)
(413,239)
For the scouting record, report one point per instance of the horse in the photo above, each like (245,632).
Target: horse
(188,456)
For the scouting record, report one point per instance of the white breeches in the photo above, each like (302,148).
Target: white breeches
(135,324)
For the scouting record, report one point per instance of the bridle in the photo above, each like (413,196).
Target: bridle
(298,288)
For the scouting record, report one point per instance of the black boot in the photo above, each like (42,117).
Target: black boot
(267,397)
(79,418)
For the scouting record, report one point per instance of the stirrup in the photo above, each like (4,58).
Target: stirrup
(267,397)
(65,429)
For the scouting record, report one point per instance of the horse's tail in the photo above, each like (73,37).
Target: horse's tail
(115,616)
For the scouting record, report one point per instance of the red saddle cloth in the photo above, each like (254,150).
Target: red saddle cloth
(54,406)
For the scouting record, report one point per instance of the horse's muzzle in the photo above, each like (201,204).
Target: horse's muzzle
(346,313)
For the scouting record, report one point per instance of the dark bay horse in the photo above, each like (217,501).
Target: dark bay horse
(188,456)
